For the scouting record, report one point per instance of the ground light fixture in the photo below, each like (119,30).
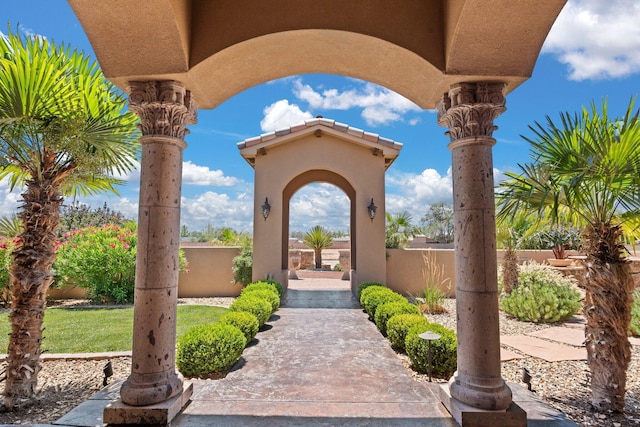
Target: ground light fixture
(429,336)
(372,210)
(266,208)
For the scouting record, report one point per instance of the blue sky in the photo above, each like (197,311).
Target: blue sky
(593,51)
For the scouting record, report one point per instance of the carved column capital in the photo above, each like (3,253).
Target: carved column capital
(469,109)
(164,107)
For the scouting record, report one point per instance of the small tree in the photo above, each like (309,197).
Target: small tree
(438,222)
(318,238)
(399,230)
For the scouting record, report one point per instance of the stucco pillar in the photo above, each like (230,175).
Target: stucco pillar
(165,108)
(468,110)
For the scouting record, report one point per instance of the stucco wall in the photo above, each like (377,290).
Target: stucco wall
(209,273)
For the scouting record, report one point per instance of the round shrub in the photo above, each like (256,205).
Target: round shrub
(387,310)
(364,285)
(444,358)
(398,327)
(267,284)
(207,349)
(269,295)
(543,296)
(380,296)
(243,320)
(254,305)
(261,286)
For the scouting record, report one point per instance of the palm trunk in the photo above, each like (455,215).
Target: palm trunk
(318,257)
(609,286)
(30,279)
(510,270)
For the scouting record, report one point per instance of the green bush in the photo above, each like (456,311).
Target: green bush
(254,305)
(243,320)
(365,285)
(269,295)
(378,297)
(635,314)
(263,286)
(444,356)
(398,327)
(208,349)
(243,265)
(275,284)
(387,310)
(7,246)
(543,296)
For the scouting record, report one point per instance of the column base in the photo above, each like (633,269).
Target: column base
(161,413)
(466,415)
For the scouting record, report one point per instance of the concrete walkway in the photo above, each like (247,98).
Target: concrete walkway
(319,362)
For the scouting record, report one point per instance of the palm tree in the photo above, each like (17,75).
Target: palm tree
(586,173)
(318,239)
(62,132)
(399,230)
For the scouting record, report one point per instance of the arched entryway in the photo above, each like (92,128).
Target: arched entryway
(319,150)
(460,56)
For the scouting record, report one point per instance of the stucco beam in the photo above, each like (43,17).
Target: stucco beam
(496,38)
(138,39)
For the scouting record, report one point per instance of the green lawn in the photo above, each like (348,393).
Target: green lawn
(79,330)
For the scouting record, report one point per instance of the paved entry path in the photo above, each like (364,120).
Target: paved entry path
(321,362)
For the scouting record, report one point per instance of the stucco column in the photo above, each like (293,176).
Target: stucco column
(165,108)
(468,110)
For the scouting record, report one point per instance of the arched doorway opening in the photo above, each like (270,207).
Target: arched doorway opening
(292,192)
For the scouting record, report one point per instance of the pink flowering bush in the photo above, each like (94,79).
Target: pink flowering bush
(6,248)
(102,260)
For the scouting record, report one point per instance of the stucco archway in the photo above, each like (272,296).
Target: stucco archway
(319,150)
(461,56)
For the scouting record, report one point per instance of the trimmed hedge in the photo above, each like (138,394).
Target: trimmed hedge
(398,327)
(364,285)
(378,297)
(387,310)
(269,295)
(444,357)
(267,284)
(208,349)
(243,320)
(254,305)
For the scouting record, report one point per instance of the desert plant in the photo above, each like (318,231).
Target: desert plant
(543,296)
(372,300)
(431,298)
(243,265)
(245,321)
(444,357)
(269,295)
(399,229)
(208,349)
(362,289)
(254,305)
(387,310)
(398,327)
(318,238)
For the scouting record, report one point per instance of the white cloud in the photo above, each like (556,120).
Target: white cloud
(281,115)
(219,210)
(319,204)
(597,39)
(9,201)
(380,106)
(202,175)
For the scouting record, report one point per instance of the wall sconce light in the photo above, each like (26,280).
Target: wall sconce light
(266,208)
(372,210)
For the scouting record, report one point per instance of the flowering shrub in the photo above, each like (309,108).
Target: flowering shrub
(6,248)
(101,259)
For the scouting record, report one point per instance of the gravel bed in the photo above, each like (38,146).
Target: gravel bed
(563,385)
(65,384)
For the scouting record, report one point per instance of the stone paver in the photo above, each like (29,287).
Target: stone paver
(506,355)
(542,349)
(571,336)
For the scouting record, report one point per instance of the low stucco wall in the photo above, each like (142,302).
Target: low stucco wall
(209,273)
(405,269)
